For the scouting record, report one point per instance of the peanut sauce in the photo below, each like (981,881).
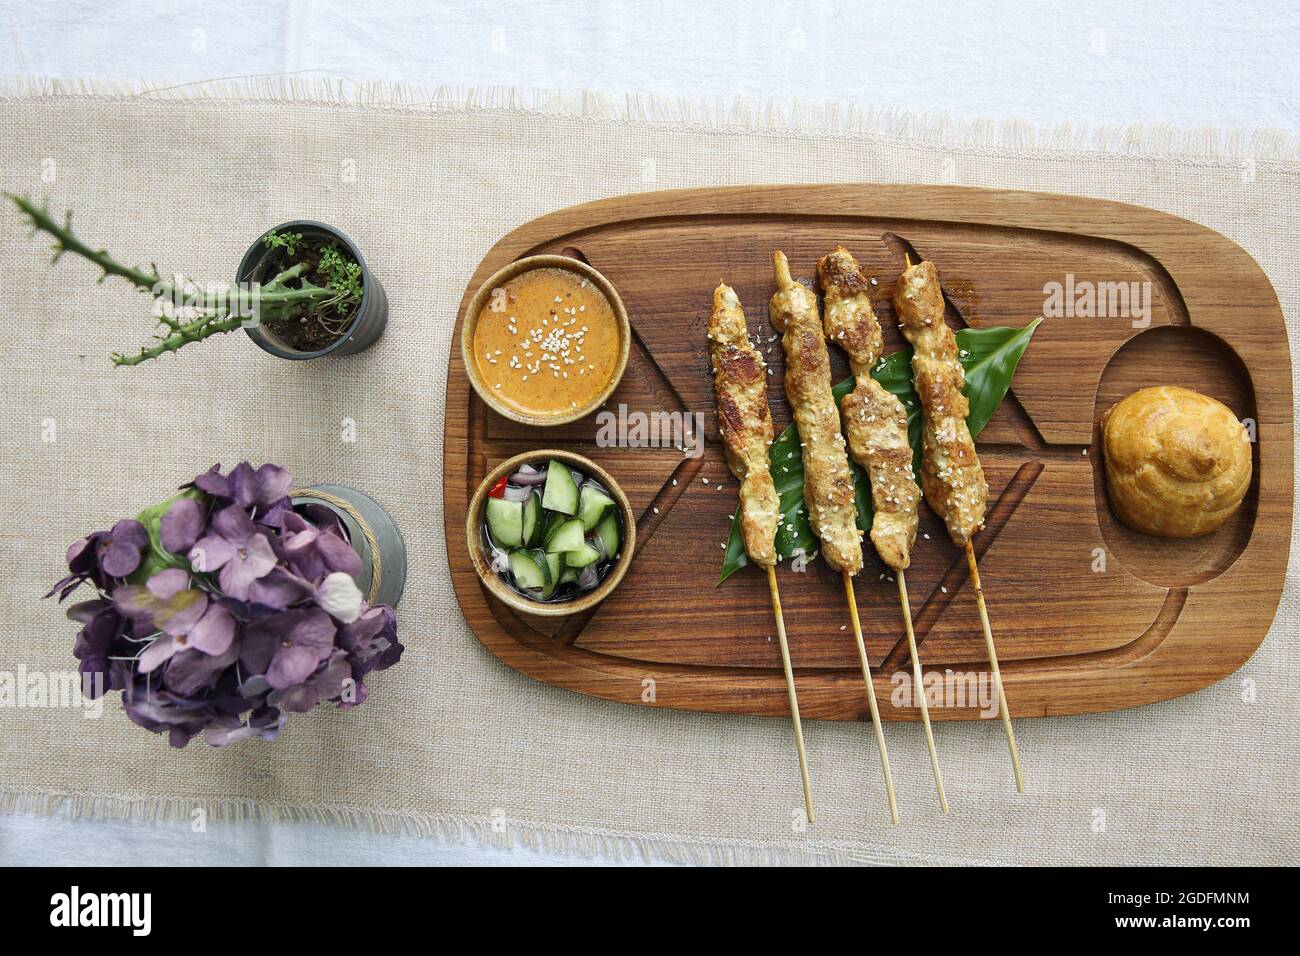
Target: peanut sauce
(546,341)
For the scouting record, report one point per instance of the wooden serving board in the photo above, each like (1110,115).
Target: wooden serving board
(1162,618)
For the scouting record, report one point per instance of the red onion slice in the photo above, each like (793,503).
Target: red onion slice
(589,577)
(528,476)
(515,493)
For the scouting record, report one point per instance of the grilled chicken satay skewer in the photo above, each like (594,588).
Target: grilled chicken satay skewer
(951,476)
(828,483)
(745,421)
(875,424)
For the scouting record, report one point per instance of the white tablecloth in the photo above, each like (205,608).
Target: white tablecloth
(1103,63)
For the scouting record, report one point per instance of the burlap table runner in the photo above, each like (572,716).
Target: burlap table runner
(452,743)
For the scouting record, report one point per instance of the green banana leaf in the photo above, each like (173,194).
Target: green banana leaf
(989,358)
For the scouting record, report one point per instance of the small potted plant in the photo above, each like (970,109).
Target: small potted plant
(224,608)
(302,291)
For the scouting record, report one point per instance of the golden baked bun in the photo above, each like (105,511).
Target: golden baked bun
(1178,463)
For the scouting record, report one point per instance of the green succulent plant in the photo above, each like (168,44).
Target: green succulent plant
(205,313)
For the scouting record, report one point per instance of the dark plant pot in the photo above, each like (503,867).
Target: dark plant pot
(391,548)
(372,313)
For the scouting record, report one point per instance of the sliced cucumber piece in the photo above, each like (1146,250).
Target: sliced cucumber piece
(505,521)
(568,575)
(529,570)
(551,522)
(581,557)
(554,571)
(532,516)
(567,537)
(608,533)
(561,492)
(592,506)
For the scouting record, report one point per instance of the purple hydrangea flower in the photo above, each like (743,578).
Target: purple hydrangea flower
(287,648)
(314,552)
(182,525)
(214,483)
(119,550)
(83,566)
(262,490)
(165,603)
(266,620)
(236,548)
(190,671)
(259,488)
(331,682)
(182,613)
(371,641)
(102,638)
(161,711)
(280,589)
(102,556)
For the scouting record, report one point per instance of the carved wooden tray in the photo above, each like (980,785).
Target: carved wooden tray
(1162,619)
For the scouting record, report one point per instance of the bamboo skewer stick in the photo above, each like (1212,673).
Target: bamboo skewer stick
(988,643)
(993,664)
(843,316)
(731,349)
(920,689)
(871,695)
(789,686)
